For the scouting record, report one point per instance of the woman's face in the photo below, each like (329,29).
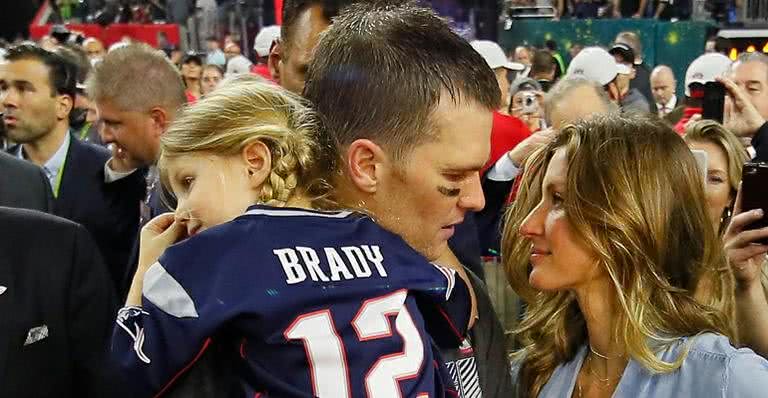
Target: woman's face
(718,187)
(191,70)
(559,259)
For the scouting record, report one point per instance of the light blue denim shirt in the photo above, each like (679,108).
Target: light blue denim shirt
(712,369)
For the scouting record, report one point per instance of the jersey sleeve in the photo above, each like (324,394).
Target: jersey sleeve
(445,303)
(182,308)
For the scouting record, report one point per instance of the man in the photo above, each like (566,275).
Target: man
(522,55)
(746,108)
(262,45)
(237,63)
(214,55)
(412,120)
(23,185)
(572,99)
(628,8)
(631,99)
(137,92)
(94,48)
(38,91)
(494,57)
(597,65)
(543,69)
(58,304)
(706,68)
(642,78)
(663,84)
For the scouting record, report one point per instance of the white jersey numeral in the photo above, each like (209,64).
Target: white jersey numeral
(327,358)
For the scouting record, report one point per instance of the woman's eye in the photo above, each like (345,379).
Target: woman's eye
(715,180)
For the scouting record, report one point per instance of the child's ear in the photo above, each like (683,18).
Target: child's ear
(258,161)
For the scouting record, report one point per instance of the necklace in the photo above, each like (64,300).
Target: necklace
(601,355)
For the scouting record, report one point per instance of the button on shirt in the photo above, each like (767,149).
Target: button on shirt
(52,167)
(712,369)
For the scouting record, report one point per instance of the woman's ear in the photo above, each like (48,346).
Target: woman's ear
(258,162)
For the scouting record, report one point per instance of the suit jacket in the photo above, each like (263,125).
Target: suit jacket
(23,185)
(109,211)
(57,308)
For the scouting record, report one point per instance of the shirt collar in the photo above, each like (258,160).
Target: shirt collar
(53,165)
(670,104)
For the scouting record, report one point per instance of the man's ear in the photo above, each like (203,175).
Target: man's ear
(160,119)
(365,161)
(64,105)
(275,61)
(258,161)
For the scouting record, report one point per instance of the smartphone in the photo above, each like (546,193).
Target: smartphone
(713,102)
(530,103)
(702,161)
(754,193)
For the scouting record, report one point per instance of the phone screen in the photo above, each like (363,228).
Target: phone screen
(714,101)
(702,160)
(754,193)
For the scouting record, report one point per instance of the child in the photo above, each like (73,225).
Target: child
(314,303)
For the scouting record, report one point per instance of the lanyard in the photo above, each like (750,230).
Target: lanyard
(84,131)
(57,184)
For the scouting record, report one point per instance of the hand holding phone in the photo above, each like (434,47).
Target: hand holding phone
(754,194)
(713,104)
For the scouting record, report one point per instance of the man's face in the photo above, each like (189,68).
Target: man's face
(212,45)
(231,50)
(31,108)
(94,49)
(522,56)
(579,103)
(663,86)
(134,133)
(294,57)
(752,76)
(424,196)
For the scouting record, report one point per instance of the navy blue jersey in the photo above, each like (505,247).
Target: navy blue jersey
(320,304)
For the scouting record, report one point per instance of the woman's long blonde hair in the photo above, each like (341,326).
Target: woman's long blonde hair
(247,109)
(635,198)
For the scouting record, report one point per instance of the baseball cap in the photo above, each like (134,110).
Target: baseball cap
(596,64)
(264,39)
(238,65)
(524,84)
(705,69)
(494,55)
(624,52)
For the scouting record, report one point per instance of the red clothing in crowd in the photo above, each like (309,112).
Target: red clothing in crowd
(191,99)
(687,113)
(506,133)
(261,70)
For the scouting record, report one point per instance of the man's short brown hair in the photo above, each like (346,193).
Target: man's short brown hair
(381,70)
(137,77)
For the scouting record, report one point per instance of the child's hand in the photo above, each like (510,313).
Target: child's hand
(156,236)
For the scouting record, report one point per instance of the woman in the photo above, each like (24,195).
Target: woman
(212,76)
(725,159)
(607,241)
(191,72)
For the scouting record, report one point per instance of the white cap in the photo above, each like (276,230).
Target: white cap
(264,39)
(494,55)
(705,69)
(596,64)
(238,65)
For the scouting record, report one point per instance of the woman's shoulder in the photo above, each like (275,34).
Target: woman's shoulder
(742,372)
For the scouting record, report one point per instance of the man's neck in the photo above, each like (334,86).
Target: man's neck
(40,151)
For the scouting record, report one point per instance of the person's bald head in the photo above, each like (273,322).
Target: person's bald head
(573,99)
(663,84)
(94,48)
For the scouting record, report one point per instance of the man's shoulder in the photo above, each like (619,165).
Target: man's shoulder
(8,164)
(13,218)
(93,154)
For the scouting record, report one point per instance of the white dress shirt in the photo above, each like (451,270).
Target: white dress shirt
(665,109)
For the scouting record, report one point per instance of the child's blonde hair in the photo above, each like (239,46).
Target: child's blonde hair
(247,109)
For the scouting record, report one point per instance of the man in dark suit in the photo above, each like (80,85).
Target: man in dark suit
(37,88)
(23,185)
(57,307)
(135,108)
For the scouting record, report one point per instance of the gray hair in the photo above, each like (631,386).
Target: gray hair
(752,57)
(137,77)
(563,88)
